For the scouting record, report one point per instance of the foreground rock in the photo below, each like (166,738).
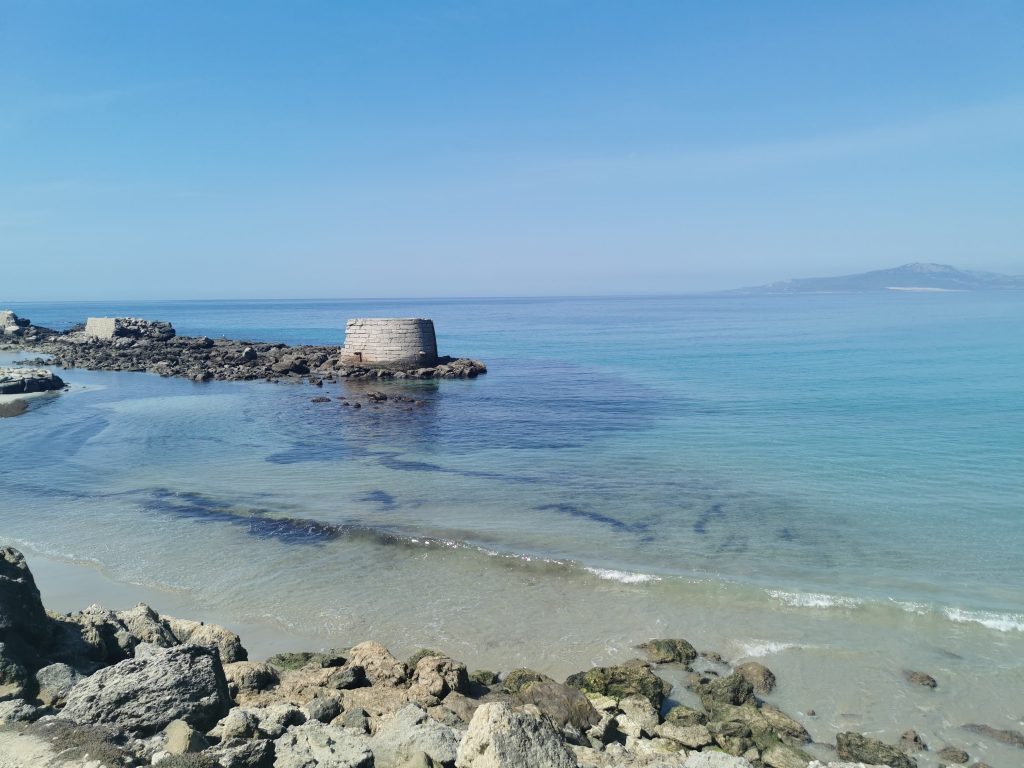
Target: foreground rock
(144,695)
(27,381)
(500,737)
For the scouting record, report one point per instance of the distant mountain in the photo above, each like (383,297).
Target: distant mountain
(909,277)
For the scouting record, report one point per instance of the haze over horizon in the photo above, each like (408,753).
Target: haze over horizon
(249,150)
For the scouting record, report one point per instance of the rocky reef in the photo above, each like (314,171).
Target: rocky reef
(27,381)
(132,687)
(133,344)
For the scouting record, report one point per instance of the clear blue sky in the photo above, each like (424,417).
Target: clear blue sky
(332,149)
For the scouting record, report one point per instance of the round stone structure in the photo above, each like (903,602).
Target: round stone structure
(406,341)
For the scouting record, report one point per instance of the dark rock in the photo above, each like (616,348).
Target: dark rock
(920,678)
(483,677)
(632,678)
(758,676)
(859,748)
(22,616)
(953,755)
(14,677)
(911,741)
(566,707)
(323,708)
(54,682)
(734,689)
(518,679)
(143,695)
(668,651)
(352,676)
(299,659)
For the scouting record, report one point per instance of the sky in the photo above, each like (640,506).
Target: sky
(196,149)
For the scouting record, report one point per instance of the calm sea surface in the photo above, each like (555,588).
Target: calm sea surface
(833,482)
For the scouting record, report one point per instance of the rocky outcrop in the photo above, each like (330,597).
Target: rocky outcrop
(133,344)
(500,737)
(143,695)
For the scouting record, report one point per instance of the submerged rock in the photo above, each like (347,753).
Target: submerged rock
(668,651)
(856,746)
(920,678)
(143,695)
(1013,738)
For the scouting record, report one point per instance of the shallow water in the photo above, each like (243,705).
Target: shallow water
(834,483)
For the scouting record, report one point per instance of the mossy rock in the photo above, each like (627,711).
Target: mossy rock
(733,689)
(300,659)
(669,651)
(518,679)
(422,653)
(684,716)
(484,677)
(634,678)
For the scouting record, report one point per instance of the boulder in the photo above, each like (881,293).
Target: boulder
(322,708)
(144,695)
(18,711)
(408,732)
(379,666)
(566,707)
(733,689)
(439,675)
(54,682)
(690,736)
(857,747)
(782,756)
(517,679)
(758,675)
(237,724)
(256,753)
(250,676)
(500,737)
(14,677)
(181,739)
(638,718)
(669,651)
(911,741)
(145,626)
(228,644)
(348,677)
(22,616)
(632,678)
(323,746)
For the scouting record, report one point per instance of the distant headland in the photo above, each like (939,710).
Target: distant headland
(920,277)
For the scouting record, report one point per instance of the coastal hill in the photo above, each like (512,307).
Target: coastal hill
(909,277)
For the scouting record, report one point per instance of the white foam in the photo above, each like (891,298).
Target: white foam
(814,599)
(755,649)
(1001,622)
(623,577)
(920,609)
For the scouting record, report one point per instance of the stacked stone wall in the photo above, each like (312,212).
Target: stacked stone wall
(390,340)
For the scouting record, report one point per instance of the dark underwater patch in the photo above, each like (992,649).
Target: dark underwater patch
(714,512)
(383,498)
(596,517)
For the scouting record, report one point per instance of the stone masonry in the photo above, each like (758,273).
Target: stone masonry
(391,340)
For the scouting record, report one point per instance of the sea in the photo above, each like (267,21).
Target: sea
(831,484)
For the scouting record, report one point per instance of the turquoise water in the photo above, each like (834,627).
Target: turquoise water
(842,474)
